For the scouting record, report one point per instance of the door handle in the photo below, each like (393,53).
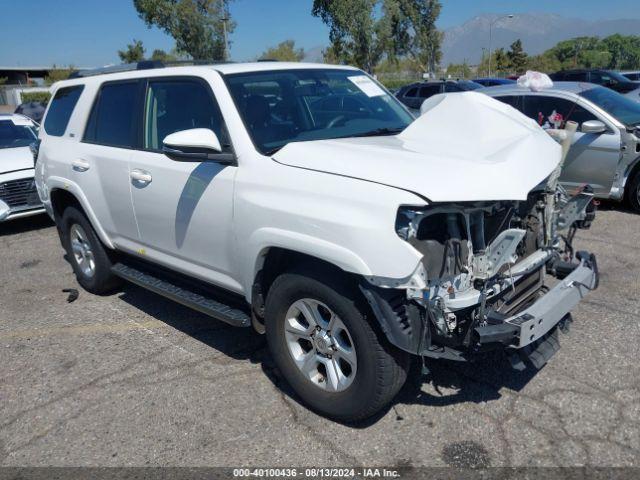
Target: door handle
(80,165)
(140,176)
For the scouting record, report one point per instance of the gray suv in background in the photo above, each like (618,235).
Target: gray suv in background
(606,149)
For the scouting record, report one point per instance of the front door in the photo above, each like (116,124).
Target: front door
(183,209)
(593,157)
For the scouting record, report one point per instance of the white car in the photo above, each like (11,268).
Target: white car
(18,195)
(305,200)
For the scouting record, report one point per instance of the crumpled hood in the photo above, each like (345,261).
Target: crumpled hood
(12,159)
(464,147)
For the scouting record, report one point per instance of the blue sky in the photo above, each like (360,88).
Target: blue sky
(89,32)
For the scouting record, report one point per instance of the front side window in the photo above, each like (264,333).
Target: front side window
(279,107)
(113,118)
(174,105)
(61,108)
(554,112)
(14,135)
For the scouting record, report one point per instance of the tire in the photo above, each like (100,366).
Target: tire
(370,379)
(632,192)
(90,260)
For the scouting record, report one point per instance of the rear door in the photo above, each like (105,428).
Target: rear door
(101,166)
(593,157)
(184,210)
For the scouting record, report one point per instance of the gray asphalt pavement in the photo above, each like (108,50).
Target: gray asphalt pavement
(132,379)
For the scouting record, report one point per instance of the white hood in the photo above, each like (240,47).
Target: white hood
(12,159)
(464,147)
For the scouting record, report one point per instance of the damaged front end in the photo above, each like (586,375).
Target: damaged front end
(493,275)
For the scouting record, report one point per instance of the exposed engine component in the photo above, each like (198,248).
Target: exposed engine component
(483,261)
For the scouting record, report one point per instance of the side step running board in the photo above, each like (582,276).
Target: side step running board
(188,298)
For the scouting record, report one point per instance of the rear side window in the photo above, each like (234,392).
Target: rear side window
(514,100)
(575,77)
(413,92)
(430,90)
(113,117)
(60,110)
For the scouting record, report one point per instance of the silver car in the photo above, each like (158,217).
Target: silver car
(606,149)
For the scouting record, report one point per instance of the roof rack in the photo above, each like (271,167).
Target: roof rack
(143,65)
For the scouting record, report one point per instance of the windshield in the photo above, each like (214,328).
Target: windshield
(279,107)
(12,135)
(618,106)
(468,85)
(618,76)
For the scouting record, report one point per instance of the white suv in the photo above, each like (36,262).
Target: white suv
(304,200)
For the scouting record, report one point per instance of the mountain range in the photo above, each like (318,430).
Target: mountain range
(538,32)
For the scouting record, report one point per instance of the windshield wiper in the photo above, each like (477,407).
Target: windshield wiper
(379,132)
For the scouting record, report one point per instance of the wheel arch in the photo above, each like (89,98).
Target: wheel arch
(275,260)
(63,196)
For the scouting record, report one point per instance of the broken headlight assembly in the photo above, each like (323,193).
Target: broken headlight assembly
(483,261)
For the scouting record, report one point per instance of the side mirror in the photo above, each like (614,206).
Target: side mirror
(593,126)
(195,145)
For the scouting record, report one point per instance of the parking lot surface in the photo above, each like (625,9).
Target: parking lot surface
(133,379)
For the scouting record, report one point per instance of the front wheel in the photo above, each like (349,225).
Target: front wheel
(324,343)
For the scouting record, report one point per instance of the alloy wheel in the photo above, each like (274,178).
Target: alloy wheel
(320,345)
(82,252)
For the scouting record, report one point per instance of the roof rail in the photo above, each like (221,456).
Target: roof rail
(142,65)
(125,67)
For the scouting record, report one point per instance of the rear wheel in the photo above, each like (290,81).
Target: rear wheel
(324,343)
(632,192)
(88,257)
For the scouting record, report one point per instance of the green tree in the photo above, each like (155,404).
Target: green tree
(500,64)
(56,74)
(624,51)
(162,56)
(3,80)
(353,31)
(517,57)
(199,27)
(285,52)
(461,70)
(410,31)
(133,53)
(361,32)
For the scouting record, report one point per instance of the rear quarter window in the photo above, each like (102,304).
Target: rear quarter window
(62,105)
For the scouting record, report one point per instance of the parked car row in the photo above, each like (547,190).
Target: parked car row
(607,78)
(606,150)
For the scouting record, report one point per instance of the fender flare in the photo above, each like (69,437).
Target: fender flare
(266,238)
(59,183)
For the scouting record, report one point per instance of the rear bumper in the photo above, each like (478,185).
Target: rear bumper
(533,323)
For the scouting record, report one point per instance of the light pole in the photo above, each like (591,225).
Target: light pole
(491,24)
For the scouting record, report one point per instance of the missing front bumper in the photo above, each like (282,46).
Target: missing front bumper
(533,323)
